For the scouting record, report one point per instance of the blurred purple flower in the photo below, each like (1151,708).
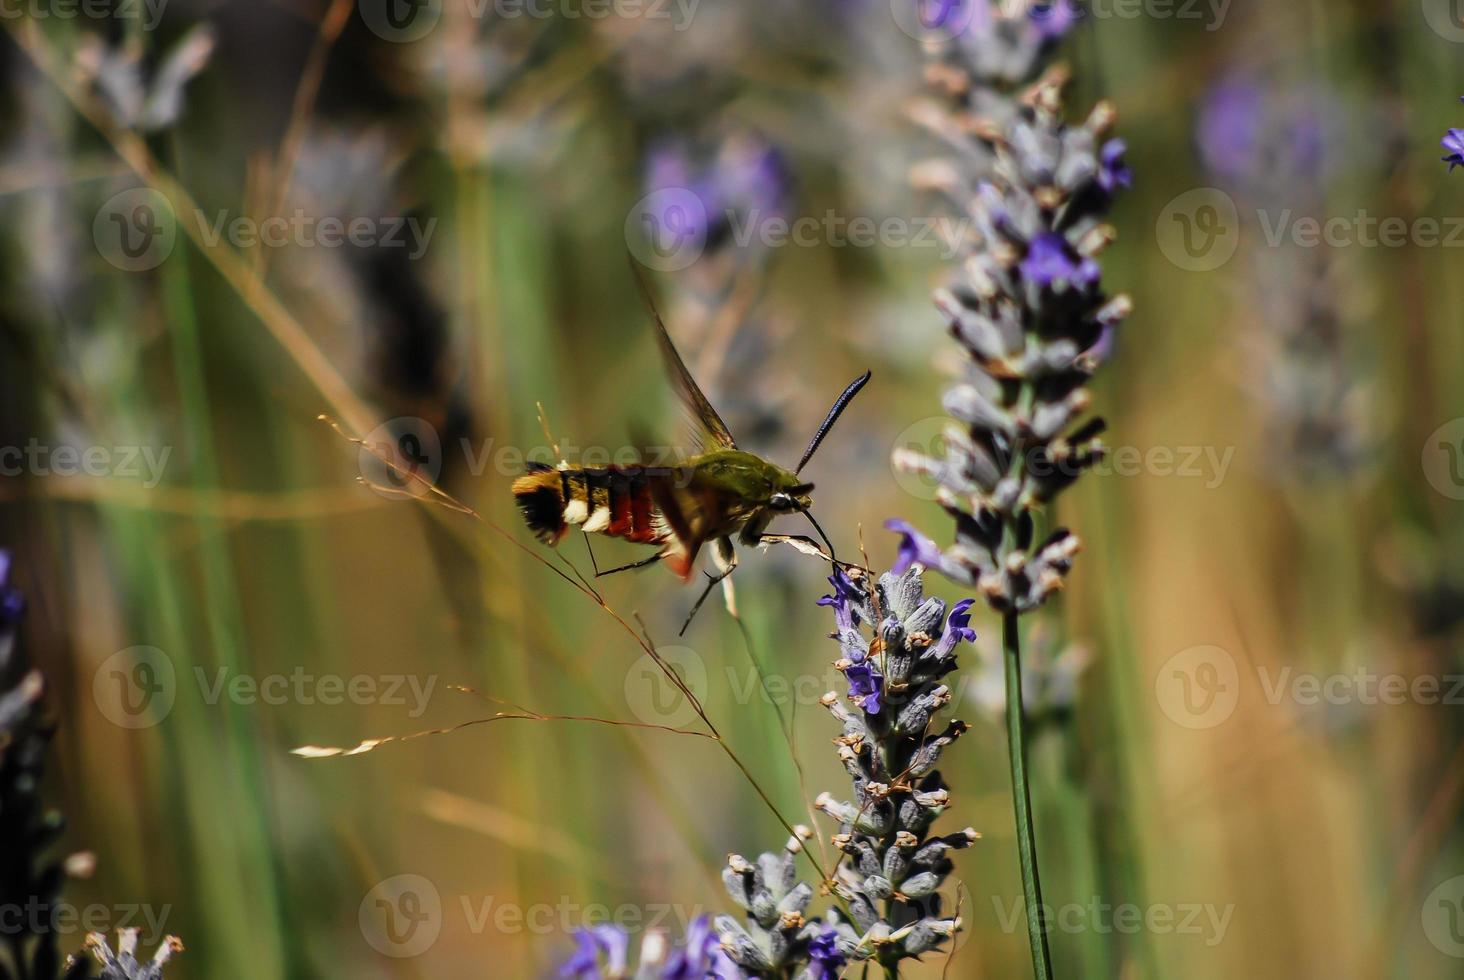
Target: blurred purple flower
(827,963)
(746,177)
(1102,348)
(752,174)
(949,14)
(1053,18)
(610,941)
(1051,261)
(667,168)
(1249,133)
(1454,142)
(936,13)
(914,547)
(1229,127)
(1113,172)
(702,958)
(12,602)
(1309,142)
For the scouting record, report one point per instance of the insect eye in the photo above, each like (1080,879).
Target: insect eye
(781,501)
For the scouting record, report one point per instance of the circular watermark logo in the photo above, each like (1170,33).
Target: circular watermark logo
(1443,459)
(939,20)
(1446,17)
(1198,687)
(401,457)
(667,229)
(135,230)
(1443,917)
(1199,230)
(654,698)
(925,438)
(400,20)
(136,687)
(401,916)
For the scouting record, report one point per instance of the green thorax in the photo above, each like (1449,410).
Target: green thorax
(741,474)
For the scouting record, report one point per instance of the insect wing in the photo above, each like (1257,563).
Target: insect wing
(690,509)
(686,387)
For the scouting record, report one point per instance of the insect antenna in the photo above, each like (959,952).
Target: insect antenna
(833,416)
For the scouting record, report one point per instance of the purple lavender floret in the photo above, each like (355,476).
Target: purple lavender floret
(845,591)
(959,621)
(607,941)
(603,953)
(1052,263)
(702,957)
(958,628)
(1113,171)
(947,14)
(827,962)
(12,602)
(866,685)
(1053,18)
(1453,141)
(915,548)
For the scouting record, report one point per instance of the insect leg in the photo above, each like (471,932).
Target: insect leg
(635,564)
(807,546)
(725,558)
(591,549)
(724,555)
(801,542)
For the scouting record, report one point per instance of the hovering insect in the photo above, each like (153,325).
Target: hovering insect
(720,493)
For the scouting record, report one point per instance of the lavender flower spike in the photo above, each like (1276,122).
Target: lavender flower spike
(123,964)
(891,747)
(1027,306)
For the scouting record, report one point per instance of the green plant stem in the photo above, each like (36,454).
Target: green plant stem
(1022,797)
(891,966)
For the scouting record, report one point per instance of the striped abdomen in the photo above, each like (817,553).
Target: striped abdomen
(617,501)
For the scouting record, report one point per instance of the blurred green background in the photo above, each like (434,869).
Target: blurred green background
(1254,826)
